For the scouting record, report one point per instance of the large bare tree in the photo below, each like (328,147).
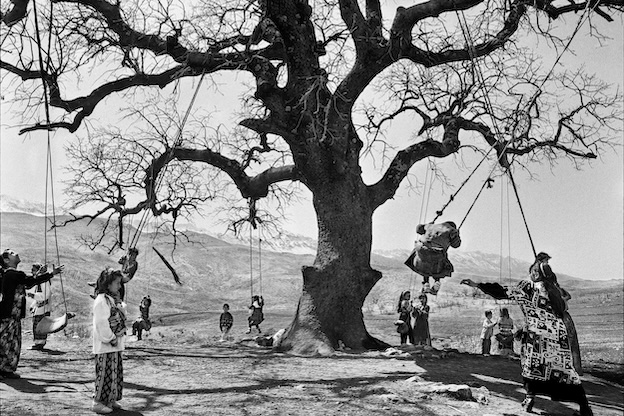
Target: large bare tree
(321,80)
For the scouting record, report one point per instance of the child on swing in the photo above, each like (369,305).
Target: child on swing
(129,267)
(429,257)
(256,315)
(109,330)
(143,322)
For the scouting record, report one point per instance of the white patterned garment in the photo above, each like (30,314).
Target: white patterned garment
(546,353)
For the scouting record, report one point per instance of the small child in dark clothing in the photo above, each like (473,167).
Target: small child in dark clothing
(225,322)
(256,315)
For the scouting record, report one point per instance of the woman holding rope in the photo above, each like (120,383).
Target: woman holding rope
(546,356)
(13,308)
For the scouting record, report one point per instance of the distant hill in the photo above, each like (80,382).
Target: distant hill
(214,271)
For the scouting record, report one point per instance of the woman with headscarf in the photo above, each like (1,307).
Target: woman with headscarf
(403,324)
(13,309)
(546,356)
(420,312)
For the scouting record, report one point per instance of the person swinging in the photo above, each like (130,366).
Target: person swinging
(129,267)
(256,315)
(429,257)
(143,322)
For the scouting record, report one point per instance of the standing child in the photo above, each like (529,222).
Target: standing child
(109,329)
(487,331)
(505,336)
(226,320)
(257,316)
(404,325)
(40,307)
(422,336)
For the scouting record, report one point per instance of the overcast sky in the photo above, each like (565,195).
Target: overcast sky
(575,216)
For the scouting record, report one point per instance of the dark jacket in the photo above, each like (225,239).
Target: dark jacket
(12,278)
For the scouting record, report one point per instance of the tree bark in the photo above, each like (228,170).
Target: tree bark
(329,312)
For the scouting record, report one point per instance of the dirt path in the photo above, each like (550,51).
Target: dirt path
(209,378)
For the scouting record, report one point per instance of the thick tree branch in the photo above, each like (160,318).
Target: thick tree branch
(407,18)
(250,187)
(403,161)
(353,18)
(555,11)
(16,13)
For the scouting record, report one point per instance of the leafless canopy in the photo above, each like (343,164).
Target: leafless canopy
(326,79)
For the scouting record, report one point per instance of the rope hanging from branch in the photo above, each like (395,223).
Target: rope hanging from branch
(177,142)
(254,221)
(49,325)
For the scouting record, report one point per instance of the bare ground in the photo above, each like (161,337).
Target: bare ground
(201,376)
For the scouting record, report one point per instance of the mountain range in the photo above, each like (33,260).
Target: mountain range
(218,269)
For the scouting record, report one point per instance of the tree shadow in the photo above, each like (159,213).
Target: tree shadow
(342,388)
(503,376)
(126,412)
(53,352)
(24,386)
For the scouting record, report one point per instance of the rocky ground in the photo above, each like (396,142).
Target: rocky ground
(173,373)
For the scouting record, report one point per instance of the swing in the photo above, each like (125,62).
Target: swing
(143,221)
(49,325)
(256,316)
(519,124)
(254,221)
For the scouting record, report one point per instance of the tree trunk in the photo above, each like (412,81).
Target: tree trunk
(334,288)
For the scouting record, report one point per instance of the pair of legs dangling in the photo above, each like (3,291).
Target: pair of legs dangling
(251,326)
(427,288)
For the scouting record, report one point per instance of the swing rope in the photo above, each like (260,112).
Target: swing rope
(477,71)
(487,181)
(508,234)
(176,143)
(49,180)
(504,207)
(585,16)
(526,225)
(260,264)
(428,184)
(454,194)
(251,259)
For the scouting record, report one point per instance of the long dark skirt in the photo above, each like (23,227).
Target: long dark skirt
(556,391)
(574,344)
(10,344)
(108,377)
(421,332)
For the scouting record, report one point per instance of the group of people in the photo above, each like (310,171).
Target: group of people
(255,318)
(413,322)
(505,336)
(550,355)
(13,285)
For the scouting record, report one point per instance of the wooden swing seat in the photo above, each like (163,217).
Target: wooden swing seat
(49,325)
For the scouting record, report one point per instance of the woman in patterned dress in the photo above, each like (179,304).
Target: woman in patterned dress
(546,356)
(13,308)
